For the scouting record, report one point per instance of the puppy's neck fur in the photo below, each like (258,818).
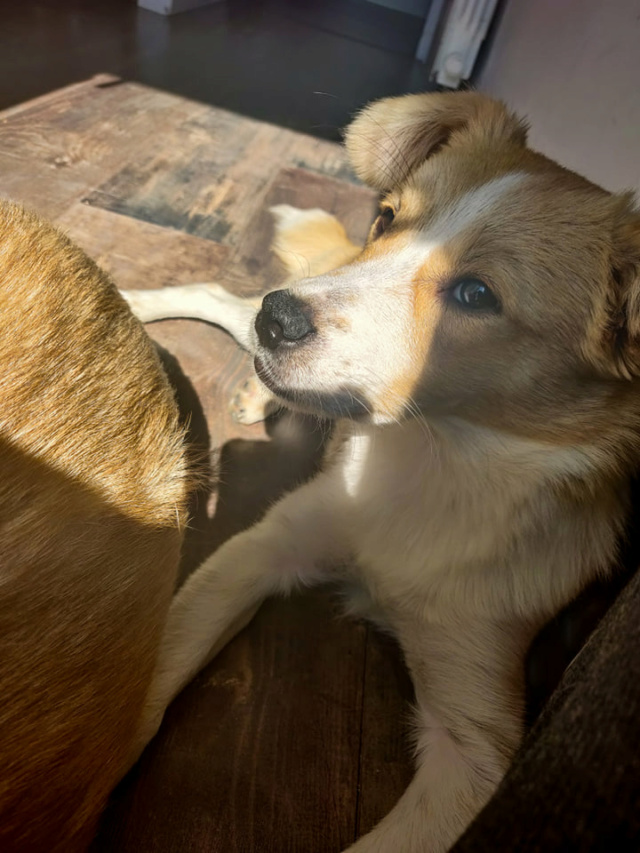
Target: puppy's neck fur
(471,505)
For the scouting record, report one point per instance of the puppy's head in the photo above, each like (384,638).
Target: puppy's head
(495,285)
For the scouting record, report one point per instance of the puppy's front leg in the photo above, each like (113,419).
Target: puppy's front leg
(469,691)
(208,302)
(296,543)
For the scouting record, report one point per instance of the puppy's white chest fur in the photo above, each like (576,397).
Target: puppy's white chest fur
(410,521)
(438,519)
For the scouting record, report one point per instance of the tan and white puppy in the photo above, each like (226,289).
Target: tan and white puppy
(482,355)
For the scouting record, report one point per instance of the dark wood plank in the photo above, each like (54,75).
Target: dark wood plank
(251,758)
(64,93)
(386,753)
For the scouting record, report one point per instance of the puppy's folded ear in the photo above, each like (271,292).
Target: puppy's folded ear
(390,138)
(619,348)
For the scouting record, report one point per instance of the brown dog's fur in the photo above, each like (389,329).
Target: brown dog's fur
(92,502)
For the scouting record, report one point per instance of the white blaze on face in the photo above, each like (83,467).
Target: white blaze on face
(471,207)
(372,345)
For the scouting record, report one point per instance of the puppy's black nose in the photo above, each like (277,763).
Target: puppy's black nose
(282,318)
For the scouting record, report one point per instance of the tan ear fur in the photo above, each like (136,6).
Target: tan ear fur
(622,337)
(391,137)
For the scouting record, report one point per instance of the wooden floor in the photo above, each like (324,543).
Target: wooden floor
(294,739)
(304,65)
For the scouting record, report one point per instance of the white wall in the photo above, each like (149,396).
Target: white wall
(573,66)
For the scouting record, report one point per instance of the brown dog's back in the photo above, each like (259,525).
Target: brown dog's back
(92,500)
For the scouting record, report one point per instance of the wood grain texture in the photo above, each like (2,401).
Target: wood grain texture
(207,174)
(55,149)
(251,758)
(292,739)
(137,254)
(385,765)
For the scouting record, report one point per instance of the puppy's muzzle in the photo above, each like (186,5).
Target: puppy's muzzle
(283,319)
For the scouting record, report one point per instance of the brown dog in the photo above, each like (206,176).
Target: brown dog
(92,502)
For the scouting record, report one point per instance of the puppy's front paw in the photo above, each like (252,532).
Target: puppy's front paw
(252,402)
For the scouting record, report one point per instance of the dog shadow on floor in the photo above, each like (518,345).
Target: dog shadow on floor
(250,475)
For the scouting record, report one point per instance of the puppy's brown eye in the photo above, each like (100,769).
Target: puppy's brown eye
(383,221)
(472,294)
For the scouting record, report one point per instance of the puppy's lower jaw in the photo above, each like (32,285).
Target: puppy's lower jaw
(343,402)
(279,389)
